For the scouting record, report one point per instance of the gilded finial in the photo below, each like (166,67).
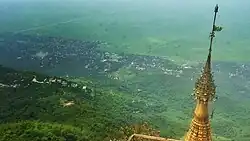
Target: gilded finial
(204,92)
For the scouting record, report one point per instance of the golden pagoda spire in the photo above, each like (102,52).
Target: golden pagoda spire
(204,92)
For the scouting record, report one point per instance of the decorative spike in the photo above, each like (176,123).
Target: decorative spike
(204,92)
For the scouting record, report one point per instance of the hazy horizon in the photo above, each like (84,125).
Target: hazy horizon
(144,23)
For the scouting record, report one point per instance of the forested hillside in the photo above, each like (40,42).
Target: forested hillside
(39,107)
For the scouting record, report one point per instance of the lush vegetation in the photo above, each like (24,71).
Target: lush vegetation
(31,110)
(40,131)
(94,111)
(135,88)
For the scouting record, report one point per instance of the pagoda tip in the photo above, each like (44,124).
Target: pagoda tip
(216,9)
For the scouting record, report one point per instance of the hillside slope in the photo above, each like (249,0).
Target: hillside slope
(48,102)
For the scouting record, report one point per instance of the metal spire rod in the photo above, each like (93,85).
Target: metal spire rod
(212,34)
